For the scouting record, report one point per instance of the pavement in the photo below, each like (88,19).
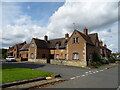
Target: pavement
(104,77)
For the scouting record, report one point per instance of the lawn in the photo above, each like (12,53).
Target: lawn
(10,74)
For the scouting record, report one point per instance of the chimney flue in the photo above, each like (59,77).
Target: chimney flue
(100,43)
(66,36)
(45,37)
(85,31)
(105,45)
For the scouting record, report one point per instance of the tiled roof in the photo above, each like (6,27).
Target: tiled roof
(25,47)
(86,37)
(41,43)
(93,37)
(62,42)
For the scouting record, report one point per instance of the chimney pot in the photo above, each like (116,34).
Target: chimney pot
(66,36)
(45,37)
(85,31)
(100,43)
(105,45)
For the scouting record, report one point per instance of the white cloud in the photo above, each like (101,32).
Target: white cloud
(97,17)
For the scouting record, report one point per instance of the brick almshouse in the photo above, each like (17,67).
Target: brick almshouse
(76,50)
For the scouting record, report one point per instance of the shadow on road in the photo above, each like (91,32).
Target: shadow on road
(24,65)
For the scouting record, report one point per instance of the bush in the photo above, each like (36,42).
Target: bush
(112,60)
(96,64)
(96,57)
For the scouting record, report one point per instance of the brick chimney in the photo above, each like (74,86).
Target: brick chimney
(45,37)
(100,43)
(66,36)
(105,45)
(85,31)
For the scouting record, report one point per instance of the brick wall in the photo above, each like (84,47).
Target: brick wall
(79,47)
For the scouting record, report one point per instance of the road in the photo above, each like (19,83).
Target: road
(78,77)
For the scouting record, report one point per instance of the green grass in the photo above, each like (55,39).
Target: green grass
(10,74)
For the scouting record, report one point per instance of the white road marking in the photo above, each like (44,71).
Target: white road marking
(101,70)
(83,75)
(94,72)
(72,78)
(89,71)
(86,72)
(97,71)
(106,68)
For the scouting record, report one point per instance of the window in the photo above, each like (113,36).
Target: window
(96,44)
(75,40)
(43,55)
(57,45)
(57,56)
(75,56)
(32,45)
(101,51)
(32,55)
(65,56)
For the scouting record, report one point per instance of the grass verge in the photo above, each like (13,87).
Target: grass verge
(10,74)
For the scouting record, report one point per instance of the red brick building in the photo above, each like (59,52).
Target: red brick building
(74,50)
(79,47)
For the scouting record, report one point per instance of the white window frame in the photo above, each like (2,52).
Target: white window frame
(75,56)
(32,55)
(33,45)
(57,56)
(75,40)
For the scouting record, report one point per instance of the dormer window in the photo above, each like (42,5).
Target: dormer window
(75,40)
(57,44)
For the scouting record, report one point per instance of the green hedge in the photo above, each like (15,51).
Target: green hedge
(112,60)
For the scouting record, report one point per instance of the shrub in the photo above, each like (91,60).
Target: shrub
(95,57)
(96,64)
(112,60)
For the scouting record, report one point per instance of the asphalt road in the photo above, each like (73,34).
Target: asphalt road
(102,79)
(77,77)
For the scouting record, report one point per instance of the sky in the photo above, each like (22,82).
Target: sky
(21,21)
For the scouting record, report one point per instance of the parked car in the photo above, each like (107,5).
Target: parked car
(10,59)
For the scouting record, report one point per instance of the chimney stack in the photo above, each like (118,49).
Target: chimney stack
(100,43)
(85,31)
(105,45)
(66,36)
(45,37)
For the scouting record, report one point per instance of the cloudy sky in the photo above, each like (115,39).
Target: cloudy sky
(21,21)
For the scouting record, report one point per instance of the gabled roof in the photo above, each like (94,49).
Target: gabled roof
(93,37)
(85,37)
(19,45)
(61,41)
(41,43)
(25,47)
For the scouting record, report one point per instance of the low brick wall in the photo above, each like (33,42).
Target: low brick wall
(69,62)
(38,60)
(77,63)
